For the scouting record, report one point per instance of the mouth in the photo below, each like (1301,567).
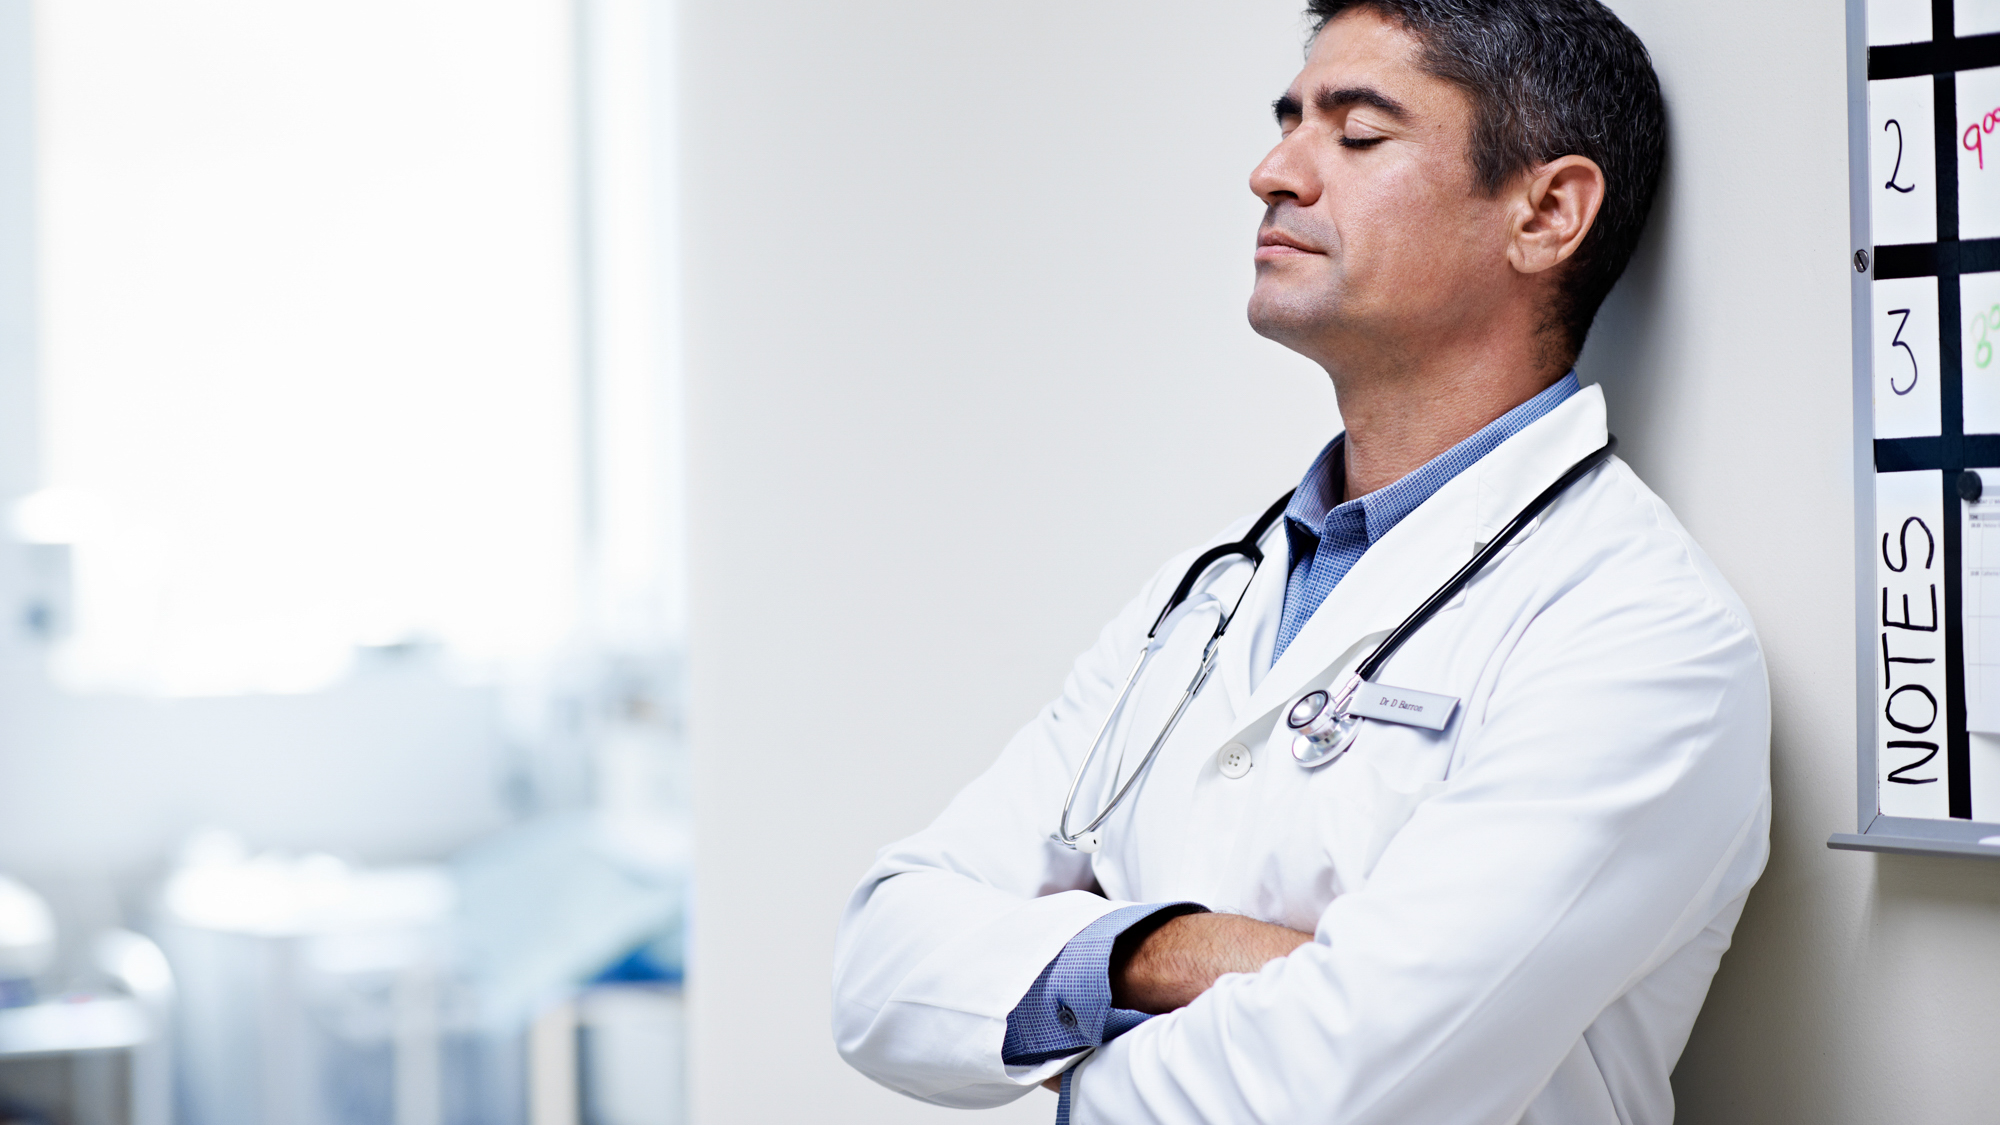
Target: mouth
(1273,243)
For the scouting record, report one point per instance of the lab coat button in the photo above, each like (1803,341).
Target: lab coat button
(1234,761)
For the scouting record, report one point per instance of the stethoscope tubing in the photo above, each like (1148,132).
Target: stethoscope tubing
(1416,620)
(1248,548)
(1187,697)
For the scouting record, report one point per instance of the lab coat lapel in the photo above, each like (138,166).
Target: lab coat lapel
(1248,643)
(1420,553)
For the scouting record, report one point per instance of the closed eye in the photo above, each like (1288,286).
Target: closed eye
(1361,142)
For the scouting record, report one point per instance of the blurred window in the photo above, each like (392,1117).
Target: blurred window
(308,312)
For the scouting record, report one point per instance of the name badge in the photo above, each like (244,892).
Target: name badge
(1401,705)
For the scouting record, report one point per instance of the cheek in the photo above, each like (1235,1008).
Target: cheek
(1394,227)
(1424,233)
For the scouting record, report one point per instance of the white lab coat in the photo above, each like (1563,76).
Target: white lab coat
(1515,918)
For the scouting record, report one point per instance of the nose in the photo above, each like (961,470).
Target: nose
(1287,172)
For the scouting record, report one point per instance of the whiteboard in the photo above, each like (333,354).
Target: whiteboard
(1924,148)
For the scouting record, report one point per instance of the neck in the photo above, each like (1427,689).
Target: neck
(1402,415)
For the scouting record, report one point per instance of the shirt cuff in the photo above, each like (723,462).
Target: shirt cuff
(1068,1008)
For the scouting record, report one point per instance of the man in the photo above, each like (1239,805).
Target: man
(1511,916)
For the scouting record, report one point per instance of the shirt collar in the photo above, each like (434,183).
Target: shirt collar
(1314,512)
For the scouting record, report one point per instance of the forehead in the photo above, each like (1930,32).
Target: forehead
(1361,48)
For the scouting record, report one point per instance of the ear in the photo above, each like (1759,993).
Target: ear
(1556,207)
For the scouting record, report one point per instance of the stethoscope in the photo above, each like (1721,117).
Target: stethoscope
(1325,725)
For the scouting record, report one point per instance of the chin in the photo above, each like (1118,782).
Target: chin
(1287,317)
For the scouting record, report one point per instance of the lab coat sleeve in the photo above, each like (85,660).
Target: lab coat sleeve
(950,928)
(1614,800)
(1068,1008)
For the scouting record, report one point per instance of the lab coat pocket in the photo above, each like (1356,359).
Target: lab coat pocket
(1372,792)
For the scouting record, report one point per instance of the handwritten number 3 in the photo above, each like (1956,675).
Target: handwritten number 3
(1893,172)
(1898,343)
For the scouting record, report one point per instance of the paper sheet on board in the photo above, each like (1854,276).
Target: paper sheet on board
(1980,556)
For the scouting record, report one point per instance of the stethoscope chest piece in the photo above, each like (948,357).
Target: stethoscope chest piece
(1325,727)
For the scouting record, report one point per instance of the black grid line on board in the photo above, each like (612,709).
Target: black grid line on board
(1938,259)
(1952,451)
(1945,54)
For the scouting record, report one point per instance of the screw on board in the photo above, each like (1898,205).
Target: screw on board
(1861,261)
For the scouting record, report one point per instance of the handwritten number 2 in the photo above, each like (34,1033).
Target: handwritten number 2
(1892,185)
(1899,343)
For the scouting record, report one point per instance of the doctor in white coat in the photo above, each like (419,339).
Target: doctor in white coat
(1510,916)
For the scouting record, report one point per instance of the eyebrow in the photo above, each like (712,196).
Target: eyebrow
(1329,99)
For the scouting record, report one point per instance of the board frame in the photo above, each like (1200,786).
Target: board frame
(1874,831)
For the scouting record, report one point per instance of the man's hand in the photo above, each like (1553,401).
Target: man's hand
(1181,959)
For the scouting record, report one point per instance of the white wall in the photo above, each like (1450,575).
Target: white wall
(1862,988)
(957,276)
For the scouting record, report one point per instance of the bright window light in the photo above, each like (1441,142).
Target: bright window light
(308,338)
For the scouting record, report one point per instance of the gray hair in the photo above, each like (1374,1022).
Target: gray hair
(1548,78)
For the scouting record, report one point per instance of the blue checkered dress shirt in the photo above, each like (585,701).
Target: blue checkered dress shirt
(1328,537)
(1068,1008)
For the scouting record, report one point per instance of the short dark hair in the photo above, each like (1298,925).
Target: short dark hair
(1548,78)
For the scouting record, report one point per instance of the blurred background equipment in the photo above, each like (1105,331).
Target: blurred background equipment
(340,508)
(27,939)
(99,1049)
(421,994)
